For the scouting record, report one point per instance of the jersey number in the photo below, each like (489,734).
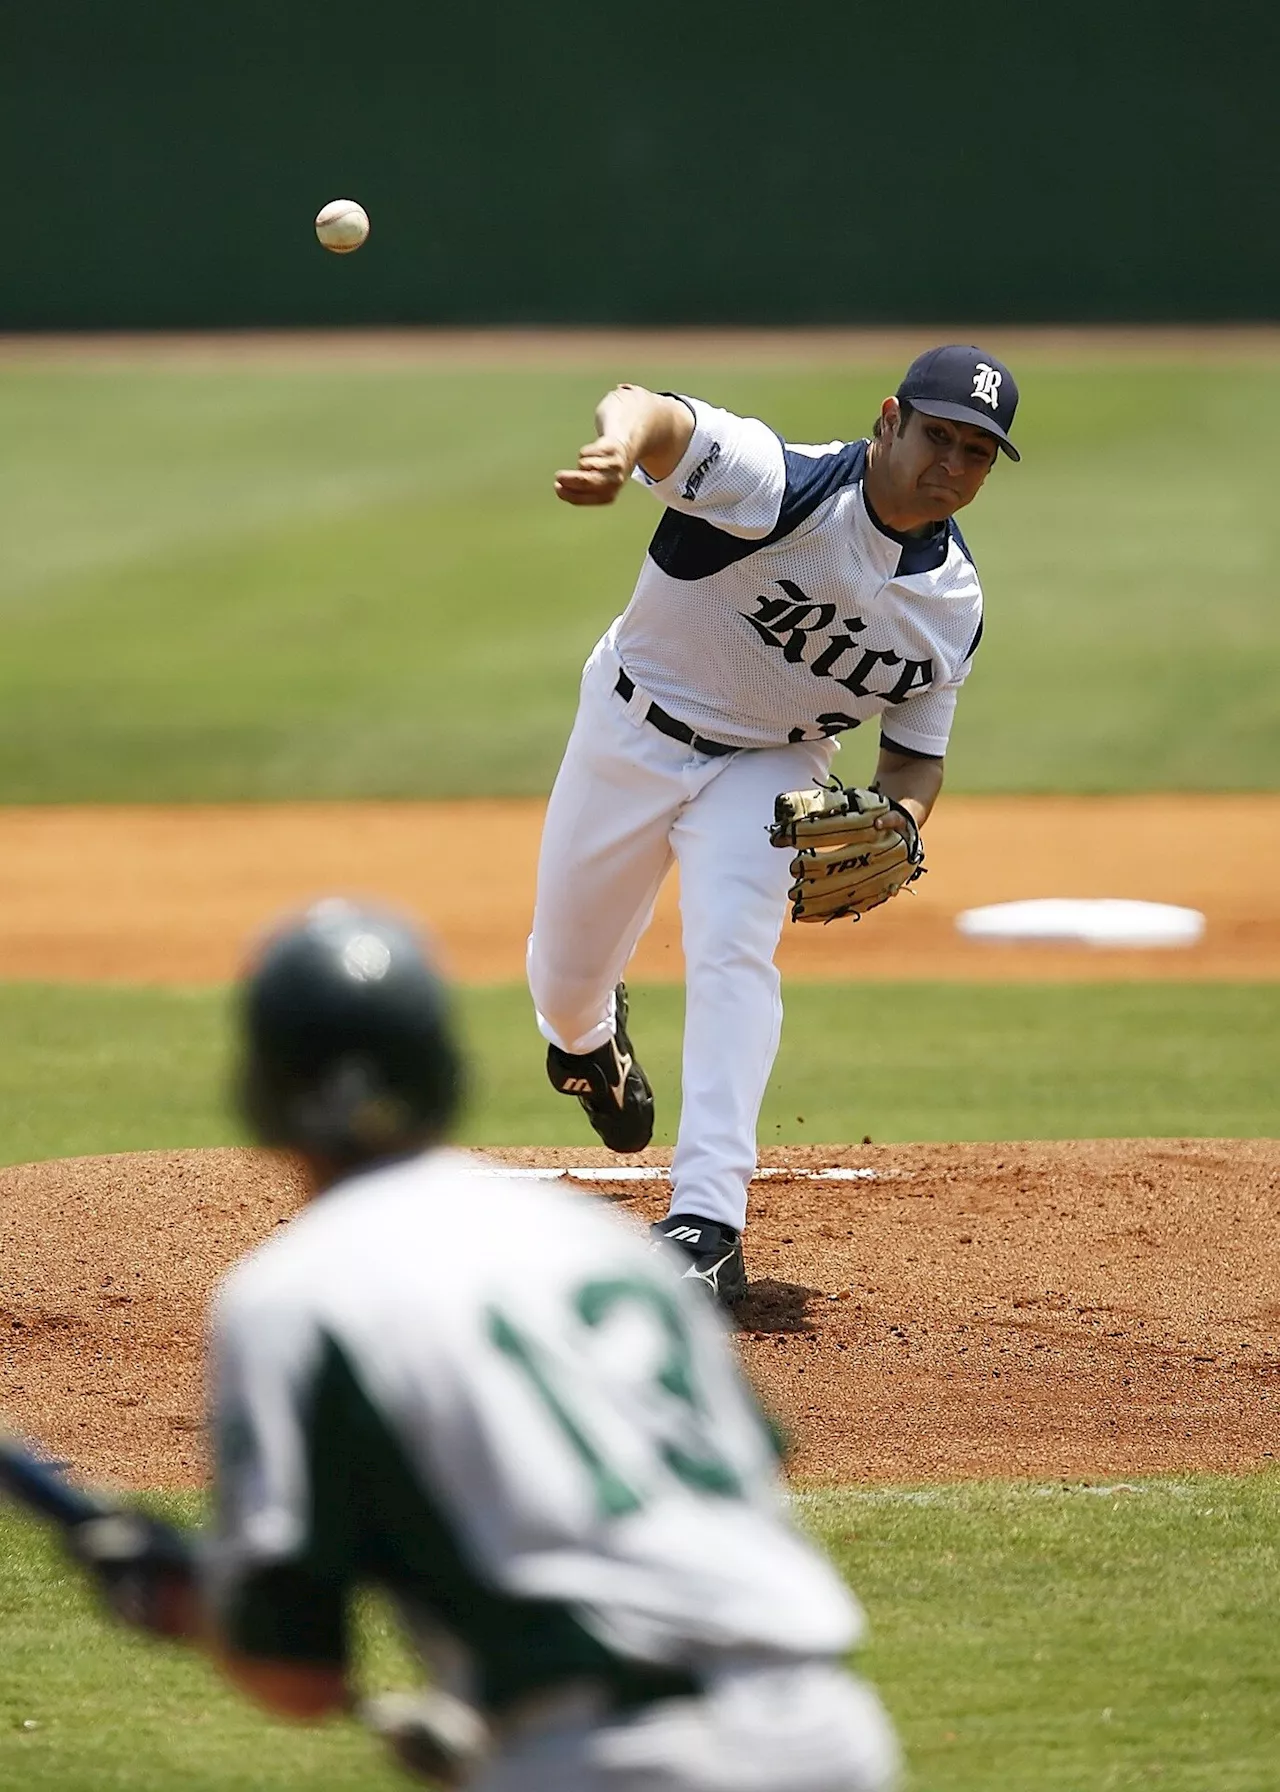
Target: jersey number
(692,1458)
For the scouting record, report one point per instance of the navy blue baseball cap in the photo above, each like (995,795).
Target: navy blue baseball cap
(966,385)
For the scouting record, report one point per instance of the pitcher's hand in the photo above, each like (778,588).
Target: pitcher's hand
(604,467)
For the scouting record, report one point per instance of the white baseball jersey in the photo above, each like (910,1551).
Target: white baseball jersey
(494,1399)
(774,606)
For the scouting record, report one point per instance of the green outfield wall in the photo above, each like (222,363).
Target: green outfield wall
(716,160)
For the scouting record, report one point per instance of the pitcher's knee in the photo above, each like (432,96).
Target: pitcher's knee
(569,1009)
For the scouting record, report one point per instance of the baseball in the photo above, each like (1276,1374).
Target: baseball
(342,225)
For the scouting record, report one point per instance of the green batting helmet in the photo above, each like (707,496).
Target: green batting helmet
(349,1047)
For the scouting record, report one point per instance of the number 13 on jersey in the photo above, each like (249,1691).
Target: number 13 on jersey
(670,1409)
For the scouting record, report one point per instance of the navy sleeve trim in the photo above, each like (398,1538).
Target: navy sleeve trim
(812,479)
(972,648)
(895,746)
(687,547)
(954,529)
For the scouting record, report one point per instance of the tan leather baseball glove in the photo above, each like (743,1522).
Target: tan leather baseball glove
(844,865)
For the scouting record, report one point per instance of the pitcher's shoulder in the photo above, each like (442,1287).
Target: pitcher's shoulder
(689,548)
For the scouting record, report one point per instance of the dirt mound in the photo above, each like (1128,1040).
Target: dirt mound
(106,1264)
(1108,1307)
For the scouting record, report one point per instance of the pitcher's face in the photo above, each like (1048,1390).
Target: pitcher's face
(933,466)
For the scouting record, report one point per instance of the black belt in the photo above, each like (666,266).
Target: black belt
(665,724)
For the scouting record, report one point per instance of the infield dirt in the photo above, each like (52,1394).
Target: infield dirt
(1050,1310)
(156,895)
(579,346)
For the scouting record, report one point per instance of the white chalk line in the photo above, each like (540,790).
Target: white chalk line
(648,1173)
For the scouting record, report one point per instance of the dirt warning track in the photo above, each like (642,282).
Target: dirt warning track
(156,895)
(1100,1308)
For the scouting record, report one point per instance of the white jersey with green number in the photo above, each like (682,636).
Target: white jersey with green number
(492,1397)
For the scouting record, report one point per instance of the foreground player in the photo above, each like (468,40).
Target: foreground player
(542,1449)
(789,594)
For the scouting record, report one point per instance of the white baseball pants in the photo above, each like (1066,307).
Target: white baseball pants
(628,803)
(808,1728)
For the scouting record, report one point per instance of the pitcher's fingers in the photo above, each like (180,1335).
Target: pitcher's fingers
(609,464)
(589,479)
(576,492)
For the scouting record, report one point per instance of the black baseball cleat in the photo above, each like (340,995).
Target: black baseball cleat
(613,1090)
(714,1252)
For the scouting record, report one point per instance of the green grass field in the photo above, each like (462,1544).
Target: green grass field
(84,1070)
(355,581)
(1022,1637)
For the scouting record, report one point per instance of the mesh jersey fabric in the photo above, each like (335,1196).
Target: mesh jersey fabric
(578,1437)
(773,606)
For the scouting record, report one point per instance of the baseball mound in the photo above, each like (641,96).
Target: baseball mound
(1082,1309)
